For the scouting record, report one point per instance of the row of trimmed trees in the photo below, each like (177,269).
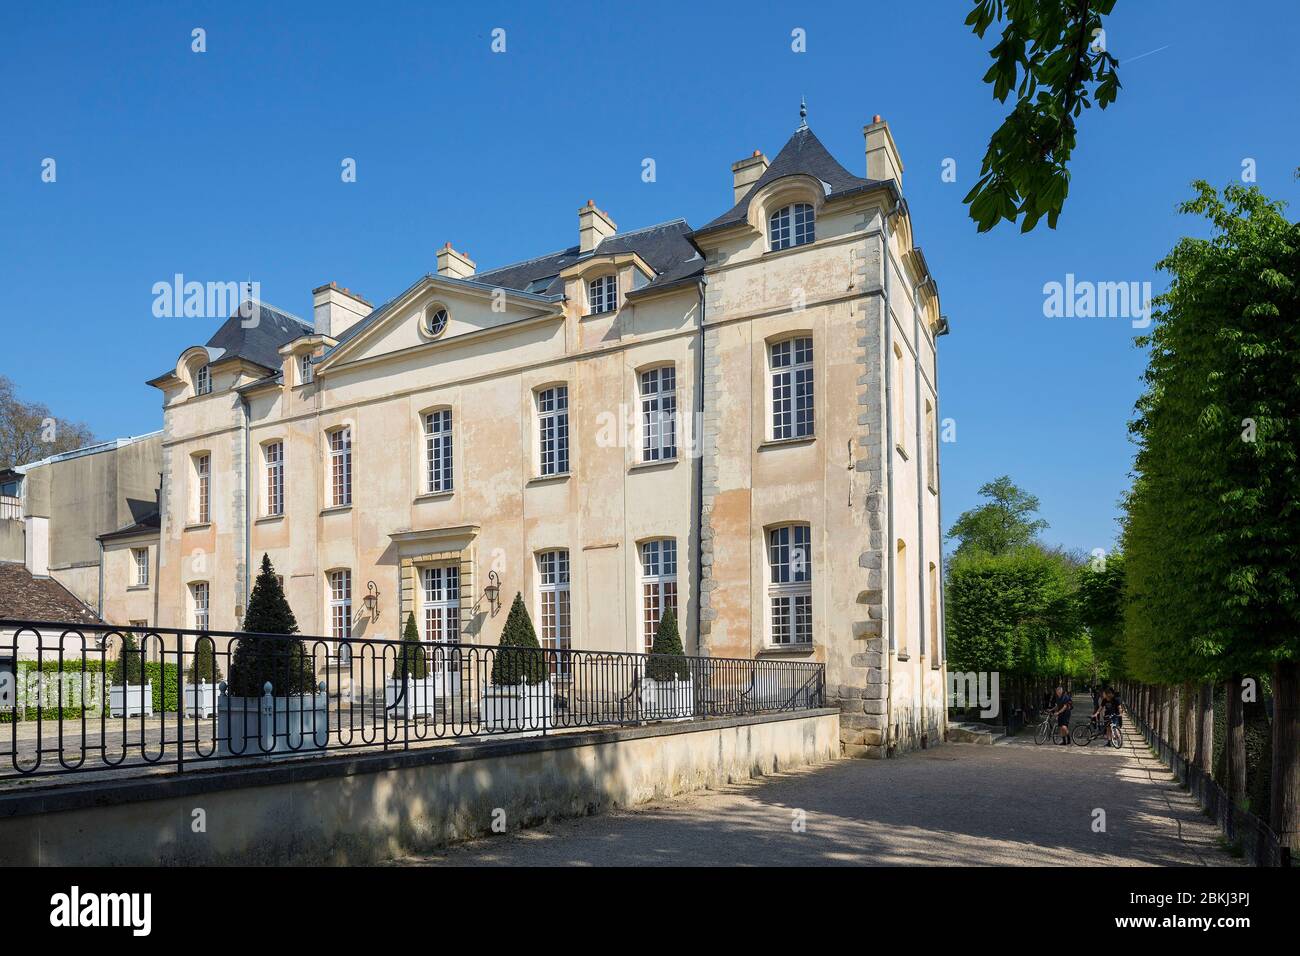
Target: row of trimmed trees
(1210,577)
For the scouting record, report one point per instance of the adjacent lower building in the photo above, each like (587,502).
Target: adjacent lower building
(736,421)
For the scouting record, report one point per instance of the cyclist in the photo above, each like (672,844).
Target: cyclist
(1110,709)
(1062,704)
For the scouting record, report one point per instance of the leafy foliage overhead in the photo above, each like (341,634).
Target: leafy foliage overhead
(1005,523)
(1052,56)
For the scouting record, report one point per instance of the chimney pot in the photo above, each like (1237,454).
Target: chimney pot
(745,173)
(337,309)
(453,264)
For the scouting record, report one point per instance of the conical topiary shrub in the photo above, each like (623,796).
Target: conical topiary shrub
(411,661)
(667,659)
(129,666)
(281,660)
(519,659)
(203,665)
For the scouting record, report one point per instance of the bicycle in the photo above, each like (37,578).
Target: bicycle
(1084,734)
(1046,728)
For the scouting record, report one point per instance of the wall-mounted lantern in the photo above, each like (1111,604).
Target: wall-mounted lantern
(372,600)
(493,592)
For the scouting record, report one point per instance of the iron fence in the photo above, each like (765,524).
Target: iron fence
(87,698)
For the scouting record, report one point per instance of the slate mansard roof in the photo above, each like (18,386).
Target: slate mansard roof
(258,342)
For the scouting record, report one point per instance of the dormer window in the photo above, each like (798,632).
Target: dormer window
(791,226)
(203,381)
(304,369)
(602,294)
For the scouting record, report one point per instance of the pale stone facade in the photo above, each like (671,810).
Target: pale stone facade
(512,427)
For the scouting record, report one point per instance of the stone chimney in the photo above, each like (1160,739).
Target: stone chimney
(883,161)
(747,172)
(453,264)
(593,226)
(336,310)
(36,549)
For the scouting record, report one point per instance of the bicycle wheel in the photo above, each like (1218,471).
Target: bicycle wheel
(1044,731)
(1082,734)
(1116,738)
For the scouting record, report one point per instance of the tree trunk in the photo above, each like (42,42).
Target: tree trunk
(1205,729)
(1175,725)
(1284,801)
(1235,741)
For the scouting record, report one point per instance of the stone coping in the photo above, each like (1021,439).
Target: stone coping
(77,796)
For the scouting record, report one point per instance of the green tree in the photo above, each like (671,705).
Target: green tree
(283,661)
(128,668)
(1005,523)
(1052,54)
(519,659)
(1212,524)
(1101,611)
(667,659)
(411,661)
(203,662)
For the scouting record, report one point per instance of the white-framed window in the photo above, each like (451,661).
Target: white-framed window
(340,585)
(435,321)
(140,564)
(199,595)
(553,587)
(305,371)
(340,440)
(658,585)
(437,451)
(202,488)
(273,458)
(602,294)
(792,388)
(789,587)
(203,380)
(553,430)
(659,413)
(900,401)
(442,607)
(791,226)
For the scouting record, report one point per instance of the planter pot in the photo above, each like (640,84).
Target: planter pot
(131,699)
(518,708)
(420,699)
(254,726)
(201,699)
(667,699)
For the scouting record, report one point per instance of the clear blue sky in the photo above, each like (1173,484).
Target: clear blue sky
(226,164)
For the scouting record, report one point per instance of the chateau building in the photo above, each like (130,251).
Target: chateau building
(737,421)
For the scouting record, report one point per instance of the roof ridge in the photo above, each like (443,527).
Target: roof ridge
(548,255)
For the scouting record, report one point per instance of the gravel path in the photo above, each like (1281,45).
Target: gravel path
(959,804)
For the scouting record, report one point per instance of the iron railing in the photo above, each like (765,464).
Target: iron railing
(11,508)
(87,698)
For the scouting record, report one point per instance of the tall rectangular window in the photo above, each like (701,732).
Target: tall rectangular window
(203,381)
(340,605)
(553,424)
(553,578)
(790,584)
(931,449)
(202,488)
(304,369)
(140,557)
(199,593)
(901,634)
(934,615)
(792,388)
(658,585)
(340,467)
(442,604)
(273,452)
(602,294)
(659,414)
(900,401)
(437,451)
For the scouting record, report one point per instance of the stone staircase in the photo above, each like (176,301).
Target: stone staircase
(973,732)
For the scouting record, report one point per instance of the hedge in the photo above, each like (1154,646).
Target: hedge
(163,676)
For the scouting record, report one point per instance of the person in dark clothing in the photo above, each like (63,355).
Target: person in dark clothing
(1062,704)
(1110,712)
